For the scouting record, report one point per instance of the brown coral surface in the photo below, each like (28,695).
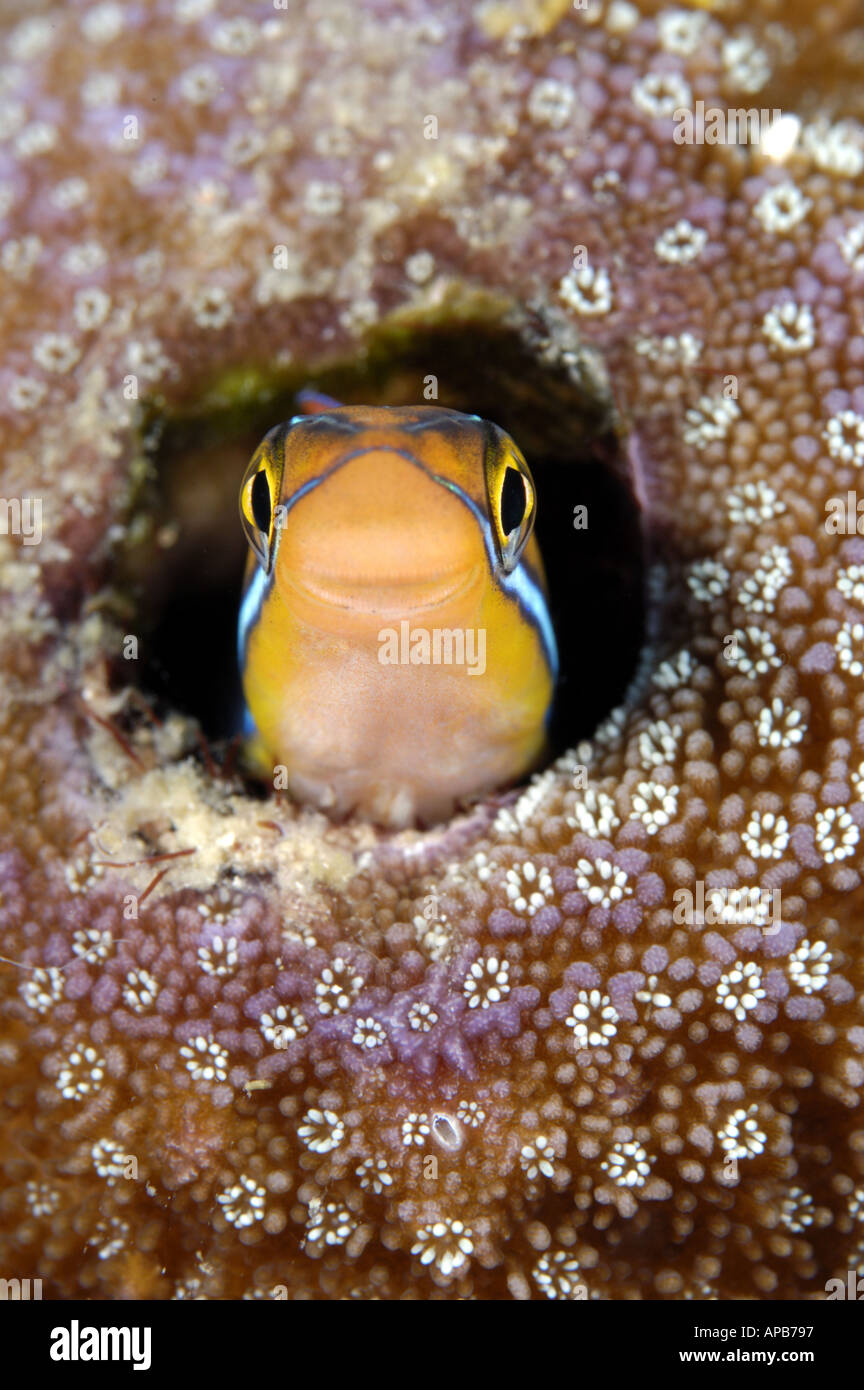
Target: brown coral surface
(607,1037)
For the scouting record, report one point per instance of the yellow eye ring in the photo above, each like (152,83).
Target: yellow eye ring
(259,495)
(512,498)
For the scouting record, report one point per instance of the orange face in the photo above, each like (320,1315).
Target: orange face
(364,541)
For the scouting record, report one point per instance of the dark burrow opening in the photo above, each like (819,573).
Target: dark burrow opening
(184,561)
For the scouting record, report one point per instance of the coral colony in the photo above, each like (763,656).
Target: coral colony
(250,1052)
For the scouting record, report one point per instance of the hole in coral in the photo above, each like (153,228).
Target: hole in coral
(184,568)
(184,562)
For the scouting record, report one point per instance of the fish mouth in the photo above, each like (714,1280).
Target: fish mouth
(389,597)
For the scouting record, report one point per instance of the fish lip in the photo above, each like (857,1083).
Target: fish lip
(356,596)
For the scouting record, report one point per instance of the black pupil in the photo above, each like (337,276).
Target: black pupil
(512,501)
(261,501)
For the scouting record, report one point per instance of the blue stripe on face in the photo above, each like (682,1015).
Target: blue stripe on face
(250,610)
(520,584)
(307,487)
(532,601)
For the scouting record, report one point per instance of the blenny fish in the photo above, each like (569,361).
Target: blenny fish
(395,644)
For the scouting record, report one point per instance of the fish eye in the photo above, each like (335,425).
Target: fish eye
(260,498)
(511,497)
(259,492)
(513,501)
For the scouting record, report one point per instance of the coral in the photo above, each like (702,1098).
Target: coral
(249,1053)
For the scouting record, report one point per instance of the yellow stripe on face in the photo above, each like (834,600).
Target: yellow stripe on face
(396,650)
